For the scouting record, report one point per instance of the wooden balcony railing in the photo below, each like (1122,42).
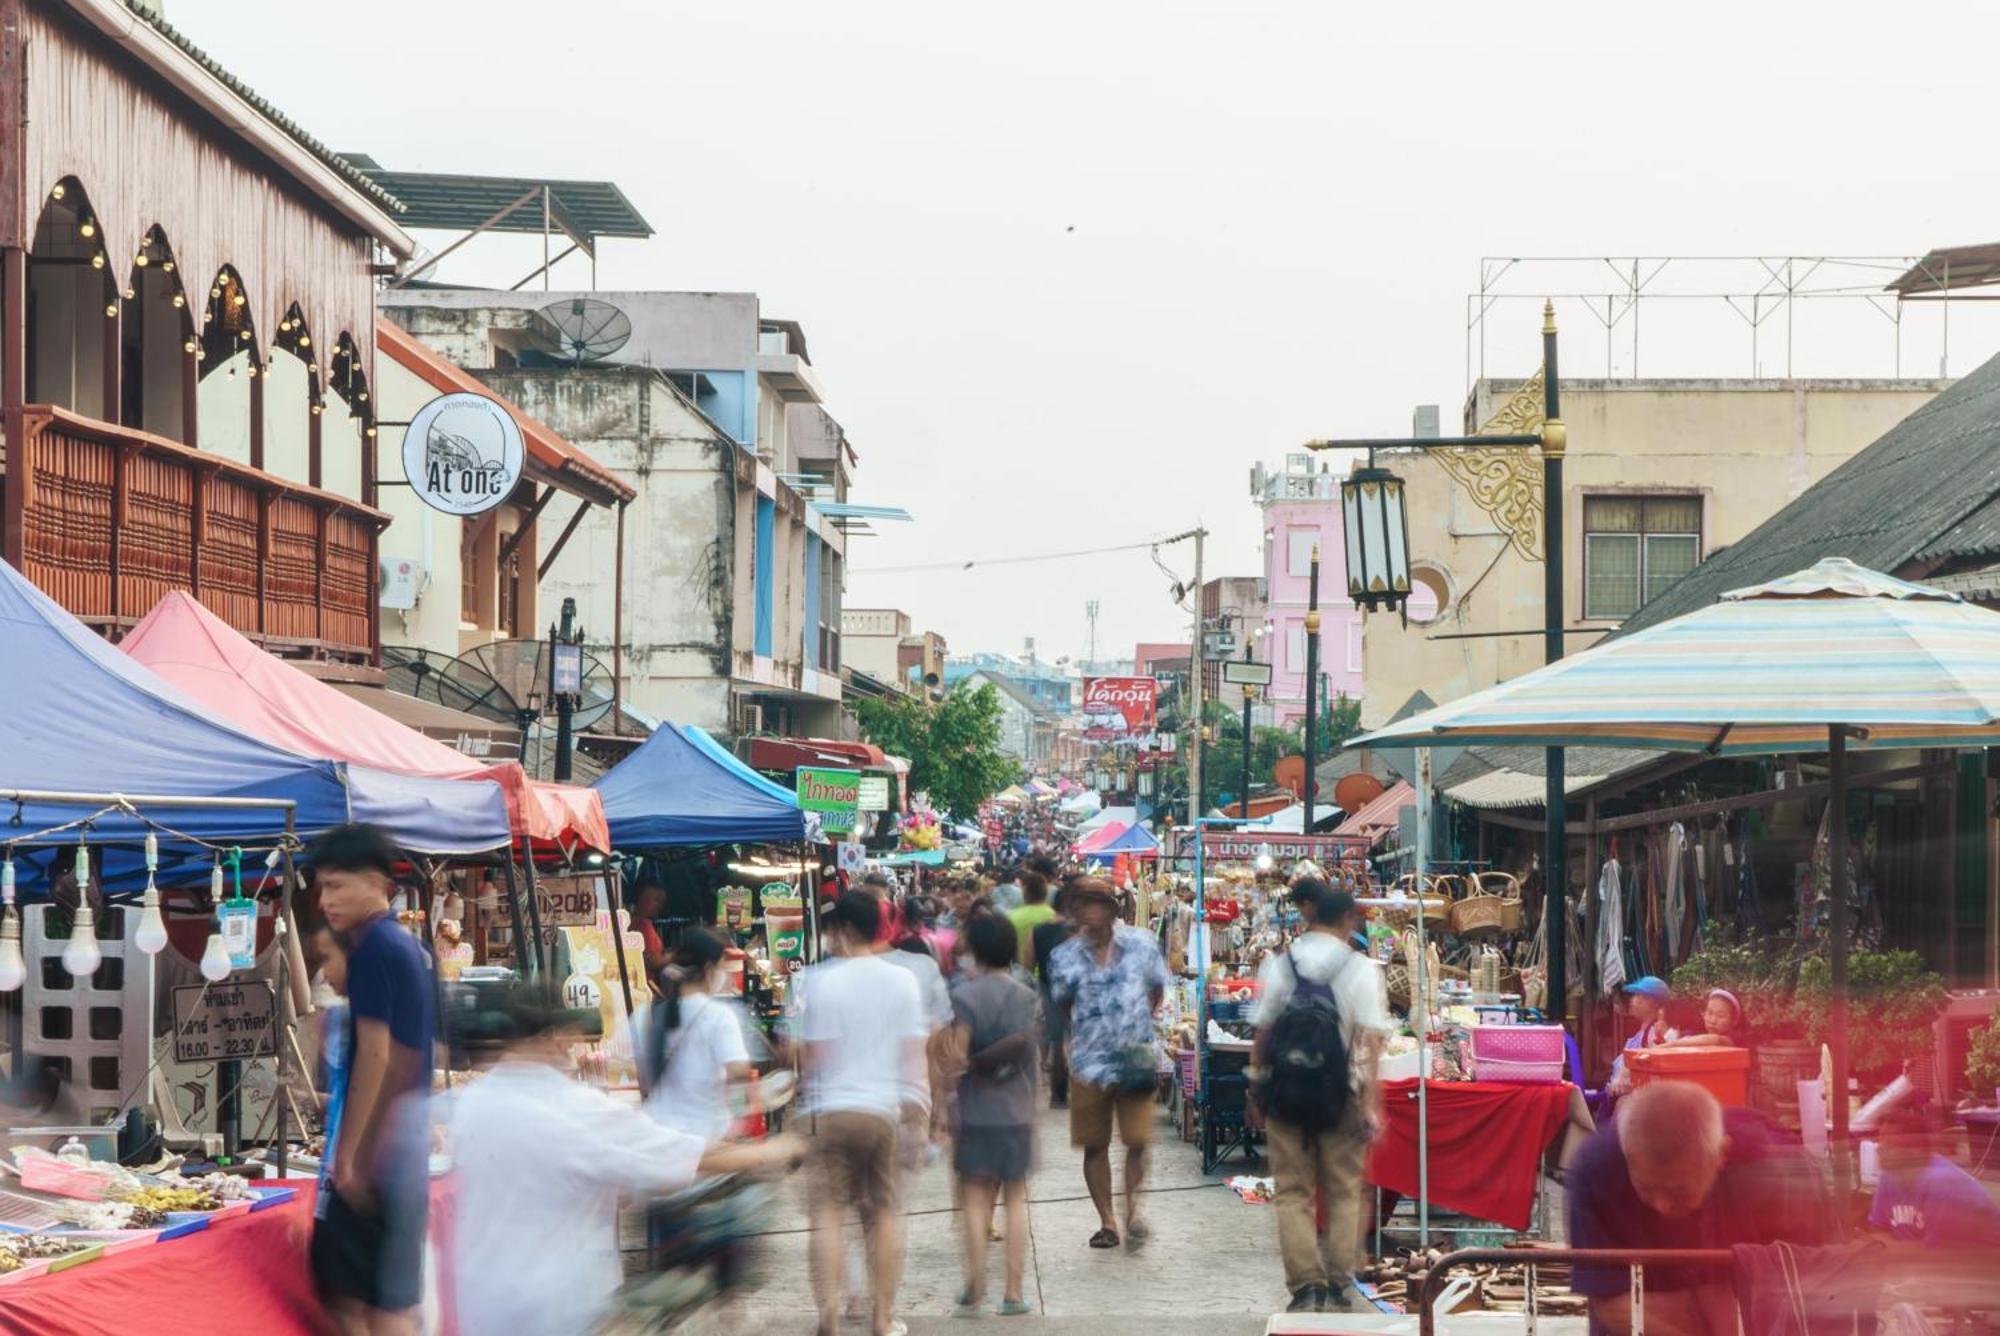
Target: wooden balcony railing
(110,518)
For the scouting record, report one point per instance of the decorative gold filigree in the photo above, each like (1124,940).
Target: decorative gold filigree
(1506,482)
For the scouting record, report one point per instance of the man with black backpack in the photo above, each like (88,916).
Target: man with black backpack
(1320,1021)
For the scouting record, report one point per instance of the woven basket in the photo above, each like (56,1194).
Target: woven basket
(1491,907)
(1435,900)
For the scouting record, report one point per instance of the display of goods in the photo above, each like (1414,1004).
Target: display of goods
(40,1247)
(1528,1054)
(1723,1072)
(177,1199)
(226,1187)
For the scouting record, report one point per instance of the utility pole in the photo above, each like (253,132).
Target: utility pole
(1249,694)
(1195,691)
(1555,857)
(1312,689)
(1090,608)
(565,682)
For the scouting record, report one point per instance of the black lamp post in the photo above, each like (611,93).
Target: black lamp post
(1378,579)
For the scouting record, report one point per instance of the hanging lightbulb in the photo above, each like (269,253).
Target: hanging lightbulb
(242,300)
(189,346)
(13,969)
(151,934)
(111,308)
(305,340)
(166,266)
(179,301)
(81,956)
(141,260)
(97,261)
(58,192)
(86,228)
(215,957)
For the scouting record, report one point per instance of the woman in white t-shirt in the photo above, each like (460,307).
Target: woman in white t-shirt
(694,1047)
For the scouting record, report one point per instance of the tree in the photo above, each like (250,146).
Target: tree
(953,746)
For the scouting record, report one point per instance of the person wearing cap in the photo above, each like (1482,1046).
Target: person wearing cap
(1647,997)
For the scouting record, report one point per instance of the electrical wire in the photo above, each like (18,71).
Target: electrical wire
(1016,561)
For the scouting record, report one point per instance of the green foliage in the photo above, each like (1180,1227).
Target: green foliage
(953,746)
(1893,1000)
(1763,972)
(1982,1066)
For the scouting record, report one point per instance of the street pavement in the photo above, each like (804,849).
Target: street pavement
(1211,1265)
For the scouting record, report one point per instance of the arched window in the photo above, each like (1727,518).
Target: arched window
(343,421)
(157,345)
(230,363)
(73,307)
(291,398)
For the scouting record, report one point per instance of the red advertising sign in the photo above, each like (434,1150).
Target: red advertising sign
(1117,707)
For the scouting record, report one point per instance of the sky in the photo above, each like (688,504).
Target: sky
(1069,270)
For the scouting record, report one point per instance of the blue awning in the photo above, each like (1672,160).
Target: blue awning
(680,787)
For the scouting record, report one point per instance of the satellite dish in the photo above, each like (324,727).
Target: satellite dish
(509,680)
(579,330)
(1356,791)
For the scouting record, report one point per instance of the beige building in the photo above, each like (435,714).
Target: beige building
(1659,474)
(881,643)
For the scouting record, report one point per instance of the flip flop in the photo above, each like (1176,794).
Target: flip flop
(1104,1238)
(1136,1234)
(1015,1308)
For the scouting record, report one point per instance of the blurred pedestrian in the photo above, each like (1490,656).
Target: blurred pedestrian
(367,1247)
(1923,1197)
(1035,910)
(694,1048)
(1320,1018)
(1111,978)
(863,1028)
(1055,1020)
(994,1036)
(1006,893)
(540,1157)
(649,902)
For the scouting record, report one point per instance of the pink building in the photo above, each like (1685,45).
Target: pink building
(1301,508)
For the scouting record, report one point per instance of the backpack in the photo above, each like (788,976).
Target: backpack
(1309,1085)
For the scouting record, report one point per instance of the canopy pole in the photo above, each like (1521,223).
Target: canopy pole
(1836,852)
(534,905)
(284,924)
(614,895)
(514,917)
(1555,853)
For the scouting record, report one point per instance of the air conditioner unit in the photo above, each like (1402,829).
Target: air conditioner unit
(1219,644)
(400,580)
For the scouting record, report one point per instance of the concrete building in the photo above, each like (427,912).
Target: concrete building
(1301,511)
(1232,614)
(880,643)
(733,620)
(1051,686)
(1659,474)
(1028,729)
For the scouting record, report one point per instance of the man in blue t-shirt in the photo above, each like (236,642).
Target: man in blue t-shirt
(1923,1197)
(368,1238)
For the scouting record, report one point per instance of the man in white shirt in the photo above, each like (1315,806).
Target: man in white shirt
(863,1027)
(539,1156)
(1318,1151)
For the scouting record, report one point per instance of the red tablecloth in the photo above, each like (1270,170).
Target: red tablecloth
(1486,1139)
(249,1274)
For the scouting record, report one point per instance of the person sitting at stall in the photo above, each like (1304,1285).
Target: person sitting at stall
(649,901)
(1722,1024)
(1677,1170)
(694,1049)
(539,1156)
(1647,998)
(1923,1197)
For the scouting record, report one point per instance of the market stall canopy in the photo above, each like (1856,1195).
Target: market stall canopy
(1381,816)
(82,717)
(1123,816)
(1082,801)
(236,681)
(1101,838)
(1133,840)
(918,857)
(676,790)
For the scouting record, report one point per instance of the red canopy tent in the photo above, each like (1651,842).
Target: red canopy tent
(1103,835)
(239,683)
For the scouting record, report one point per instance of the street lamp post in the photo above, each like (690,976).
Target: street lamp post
(1249,694)
(1312,686)
(1378,579)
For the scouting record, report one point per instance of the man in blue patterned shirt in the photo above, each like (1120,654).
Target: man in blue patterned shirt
(1111,979)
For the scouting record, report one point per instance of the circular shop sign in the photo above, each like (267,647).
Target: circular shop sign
(462,454)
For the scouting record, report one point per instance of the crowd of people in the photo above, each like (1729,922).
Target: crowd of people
(929,1028)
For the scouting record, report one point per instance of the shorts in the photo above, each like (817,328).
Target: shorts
(1093,1107)
(377,1258)
(852,1162)
(994,1154)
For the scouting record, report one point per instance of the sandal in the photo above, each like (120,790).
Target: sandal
(1137,1231)
(1104,1238)
(1015,1308)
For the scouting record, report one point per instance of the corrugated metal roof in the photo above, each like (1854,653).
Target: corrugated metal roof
(1927,487)
(455,202)
(1495,777)
(1381,816)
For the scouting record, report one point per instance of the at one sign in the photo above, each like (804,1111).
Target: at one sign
(834,794)
(1118,707)
(225,1020)
(874,793)
(1246,674)
(462,454)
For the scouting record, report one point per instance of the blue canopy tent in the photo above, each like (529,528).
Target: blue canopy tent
(81,718)
(1136,841)
(680,787)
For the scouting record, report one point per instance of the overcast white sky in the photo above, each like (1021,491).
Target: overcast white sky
(1069,269)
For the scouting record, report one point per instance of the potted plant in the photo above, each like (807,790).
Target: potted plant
(1982,1070)
(1763,974)
(1894,999)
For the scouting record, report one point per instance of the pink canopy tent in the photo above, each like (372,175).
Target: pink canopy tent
(226,674)
(1103,835)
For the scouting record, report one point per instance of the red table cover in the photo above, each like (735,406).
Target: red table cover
(247,1274)
(1486,1139)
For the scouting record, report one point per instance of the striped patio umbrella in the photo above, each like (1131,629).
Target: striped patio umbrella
(1831,658)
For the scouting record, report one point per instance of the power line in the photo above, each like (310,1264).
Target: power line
(1016,561)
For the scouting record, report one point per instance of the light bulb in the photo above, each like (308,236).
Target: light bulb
(179,301)
(151,934)
(97,262)
(305,340)
(87,228)
(81,956)
(166,266)
(215,883)
(13,967)
(215,959)
(141,260)
(189,346)
(58,192)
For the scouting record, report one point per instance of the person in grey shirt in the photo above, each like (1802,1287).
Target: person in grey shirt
(993,1035)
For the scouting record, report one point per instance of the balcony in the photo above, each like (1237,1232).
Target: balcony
(108,519)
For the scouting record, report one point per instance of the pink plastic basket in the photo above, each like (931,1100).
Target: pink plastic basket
(1190,1066)
(1533,1054)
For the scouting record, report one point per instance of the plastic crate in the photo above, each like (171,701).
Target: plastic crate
(1189,1062)
(1518,1073)
(1519,1053)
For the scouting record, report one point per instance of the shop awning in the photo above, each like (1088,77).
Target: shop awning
(1133,840)
(676,790)
(486,740)
(1103,837)
(1380,816)
(81,717)
(236,681)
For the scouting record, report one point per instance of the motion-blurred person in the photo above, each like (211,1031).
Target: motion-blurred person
(882,888)
(994,1036)
(1111,978)
(1923,1197)
(1006,893)
(1675,1169)
(862,1024)
(541,1157)
(368,1237)
(1035,910)
(1320,1021)
(694,1049)
(649,902)
(1055,1020)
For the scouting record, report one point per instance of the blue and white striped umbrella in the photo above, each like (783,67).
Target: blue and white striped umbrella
(1768,669)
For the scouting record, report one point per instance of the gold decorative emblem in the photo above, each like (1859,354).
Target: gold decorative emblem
(1506,483)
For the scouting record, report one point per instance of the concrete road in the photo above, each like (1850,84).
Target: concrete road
(1210,1267)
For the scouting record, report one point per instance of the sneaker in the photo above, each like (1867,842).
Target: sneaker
(1306,1299)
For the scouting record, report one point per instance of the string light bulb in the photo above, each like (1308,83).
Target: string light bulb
(97,261)
(141,260)
(86,228)
(13,968)
(305,340)
(166,266)
(189,346)
(81,955)
(179,301)
(151,934)
(242,300)
(111,308)
(215,956)
(58,192)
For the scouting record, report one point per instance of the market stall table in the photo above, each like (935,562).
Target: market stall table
(1487,1140)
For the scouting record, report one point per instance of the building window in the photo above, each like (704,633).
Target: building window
(1295,646)
(1298,550)
(1634,547)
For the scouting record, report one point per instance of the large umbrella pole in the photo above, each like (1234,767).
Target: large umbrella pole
(1836,851)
